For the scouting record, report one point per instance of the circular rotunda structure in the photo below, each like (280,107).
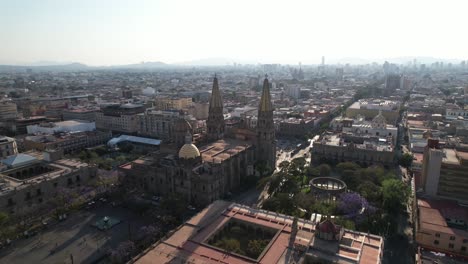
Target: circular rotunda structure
(327,187)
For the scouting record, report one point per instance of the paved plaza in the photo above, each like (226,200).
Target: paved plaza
(75,238)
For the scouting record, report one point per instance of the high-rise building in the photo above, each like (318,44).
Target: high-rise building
(215,122)
(444,172)
(266,141)
(392,82)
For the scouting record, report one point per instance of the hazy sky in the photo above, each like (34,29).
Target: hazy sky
(103,32)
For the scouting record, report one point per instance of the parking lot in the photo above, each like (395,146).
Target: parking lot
(76,238)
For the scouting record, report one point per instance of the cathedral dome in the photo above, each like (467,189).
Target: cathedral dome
(189,151)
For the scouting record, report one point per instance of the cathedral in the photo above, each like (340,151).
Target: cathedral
(214,169)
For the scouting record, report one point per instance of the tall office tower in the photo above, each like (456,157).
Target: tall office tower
(432,161)
(215,122)
(323,60)
(266,140)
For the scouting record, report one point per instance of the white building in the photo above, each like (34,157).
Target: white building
(64,126)
(7,147)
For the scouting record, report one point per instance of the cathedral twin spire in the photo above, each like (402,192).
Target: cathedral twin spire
(266,139)
(265,100)
(215,122)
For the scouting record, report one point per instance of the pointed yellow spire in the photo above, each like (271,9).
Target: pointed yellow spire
(265,101)
(215,100)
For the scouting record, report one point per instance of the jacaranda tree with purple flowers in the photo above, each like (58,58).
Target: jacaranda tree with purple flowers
(355,207)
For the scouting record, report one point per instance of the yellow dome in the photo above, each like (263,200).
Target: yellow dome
(189,151)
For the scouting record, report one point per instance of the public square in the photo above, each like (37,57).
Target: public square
(75,238)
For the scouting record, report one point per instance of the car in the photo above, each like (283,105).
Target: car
(156,198)
(191,207)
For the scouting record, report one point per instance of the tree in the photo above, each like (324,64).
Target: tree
(230,245)
(175,204)
(4,217)
(406,160)
(371,192)
(354,207)
(351,180)
(325,170)
(126,147)
(395,194)
(344,166)
(148,234)
(255,247)
(304,200)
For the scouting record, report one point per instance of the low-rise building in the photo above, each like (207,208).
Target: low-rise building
(441,226)
(29,180)
(119,118)
(288,240)
(369,108)
(138,143)
(296,126)
(157,123)
(8,147)
(364,150)
(168,103)
(88,114)
(67,142)
(63,126)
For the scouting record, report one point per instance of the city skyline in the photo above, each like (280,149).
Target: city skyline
(177,32)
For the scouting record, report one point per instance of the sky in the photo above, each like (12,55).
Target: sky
(111,32)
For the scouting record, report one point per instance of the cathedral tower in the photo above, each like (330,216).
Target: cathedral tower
(266,140)
(215,122)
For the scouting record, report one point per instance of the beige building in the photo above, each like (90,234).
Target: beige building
(166,103)
(8,110)
(299,127)
(444,172)
(8,147)
(29,180)
(157,123)
(199,110)
(119,118)
(369,108)
(347,147)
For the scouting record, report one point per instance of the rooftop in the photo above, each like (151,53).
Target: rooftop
(188,242)
(223,149)
(134,139)
(18,160)
(434,214)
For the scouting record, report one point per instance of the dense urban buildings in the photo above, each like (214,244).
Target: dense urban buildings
(149,138)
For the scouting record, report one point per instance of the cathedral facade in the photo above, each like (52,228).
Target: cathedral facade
(212,171)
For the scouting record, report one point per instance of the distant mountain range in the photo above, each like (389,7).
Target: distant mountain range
(66,66)
(80,67)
